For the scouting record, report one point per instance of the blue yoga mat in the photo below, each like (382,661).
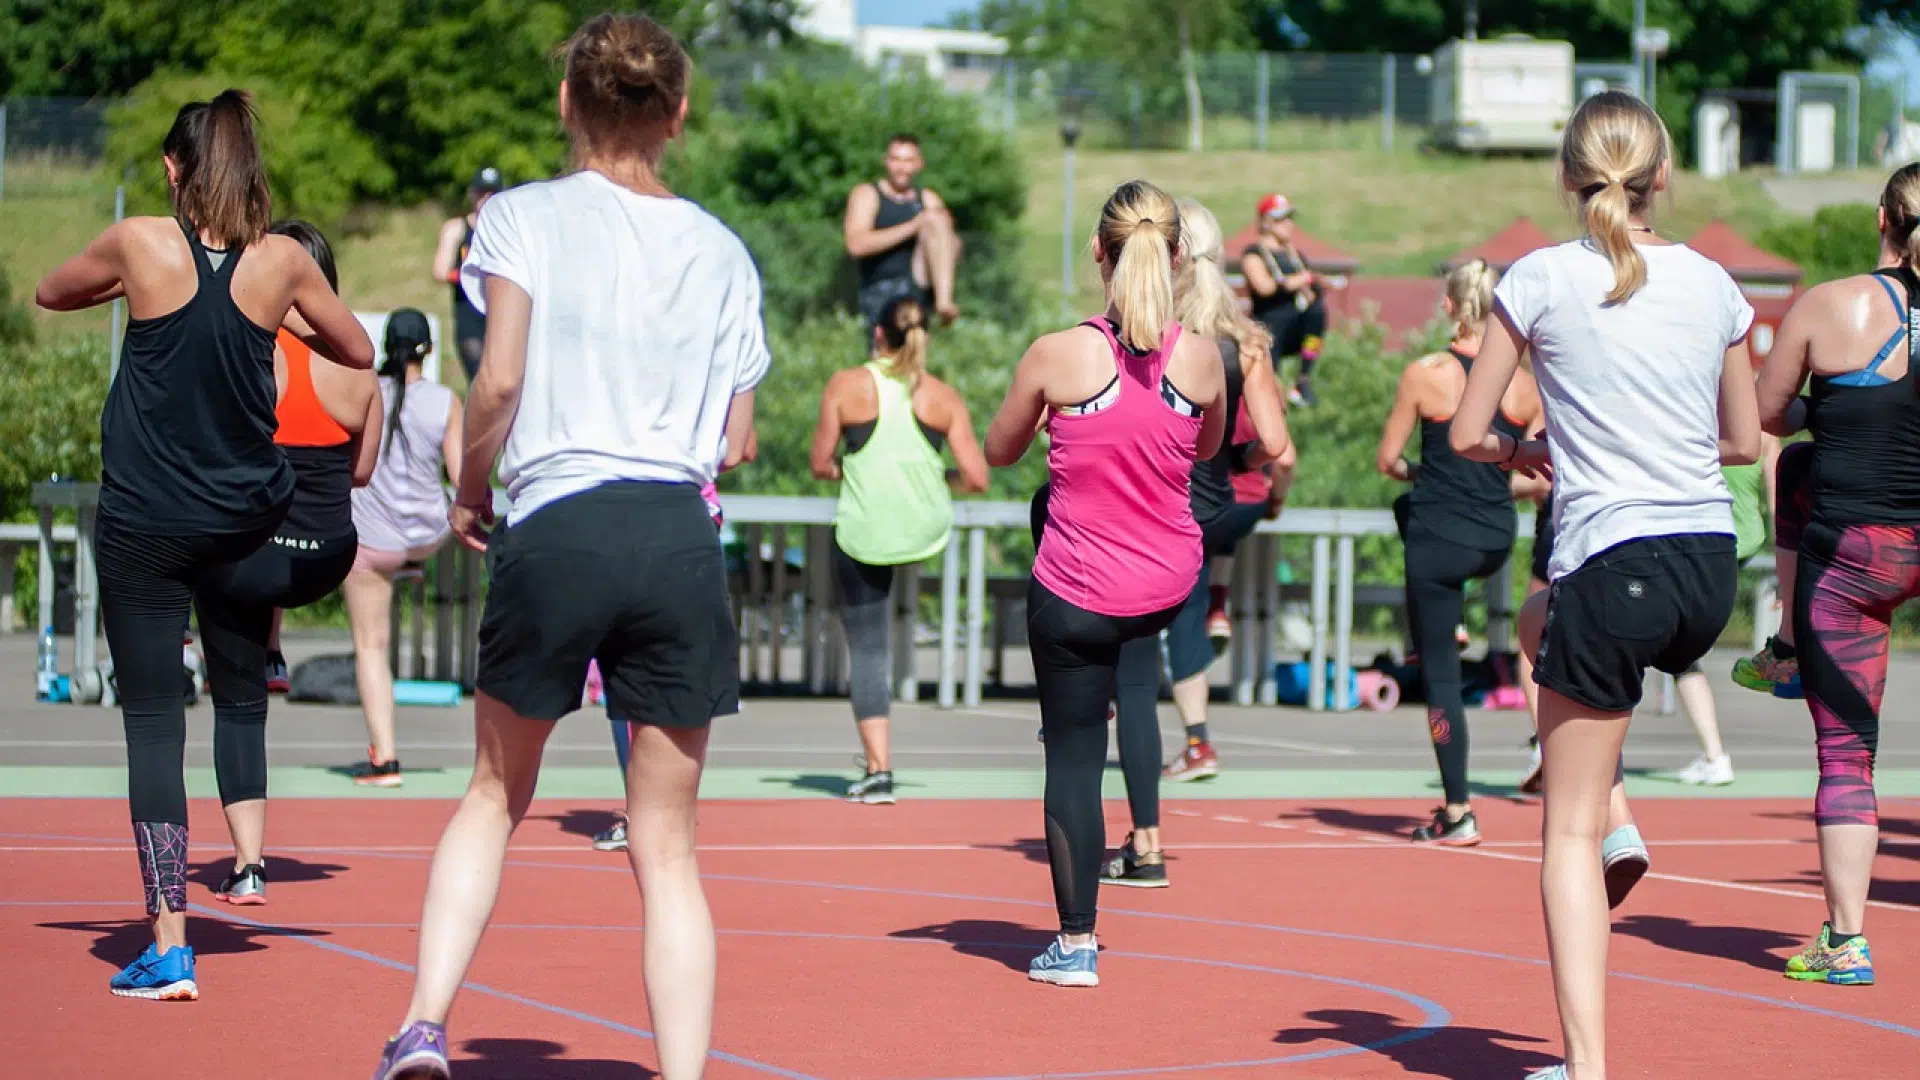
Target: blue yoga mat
(415,692)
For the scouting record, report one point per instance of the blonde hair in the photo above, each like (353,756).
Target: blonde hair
(1611,159)
(1470,291)
(1203,301)
(903,333)
(1138,233)
(1901,203)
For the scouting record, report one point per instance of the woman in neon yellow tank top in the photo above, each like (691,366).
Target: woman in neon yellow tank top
(896,504)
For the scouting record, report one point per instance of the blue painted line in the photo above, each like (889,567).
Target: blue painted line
(128,840)
(122,902)
(1234,924)
(479,988)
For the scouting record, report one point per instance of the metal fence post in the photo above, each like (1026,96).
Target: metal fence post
(119,310)
(1010,75)
(1387,104)
(3,149)
(1853,124)
(1263,71)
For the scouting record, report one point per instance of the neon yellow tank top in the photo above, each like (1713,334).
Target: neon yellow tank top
(895,506)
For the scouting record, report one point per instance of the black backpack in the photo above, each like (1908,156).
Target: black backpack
(325,680)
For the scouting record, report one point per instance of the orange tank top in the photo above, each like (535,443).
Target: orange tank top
(303,420)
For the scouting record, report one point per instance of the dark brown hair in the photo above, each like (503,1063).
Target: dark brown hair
(626,77)
(221,186)
(903,332)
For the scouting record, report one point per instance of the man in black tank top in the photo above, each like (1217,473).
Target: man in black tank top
(456,235)
(901,238)
(1286,293)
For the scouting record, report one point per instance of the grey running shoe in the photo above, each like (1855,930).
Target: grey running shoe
(874,789)
(612,838)
(247,885)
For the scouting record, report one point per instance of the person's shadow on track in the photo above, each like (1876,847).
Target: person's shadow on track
(117,941)
(538,1059)
(1010,945)
(1452,1052)
(1034,850)
(1345,817)
(1746,945)
(1884,890)
(280,870)
(580,822)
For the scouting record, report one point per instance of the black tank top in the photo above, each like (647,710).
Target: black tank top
(186,438)
(1279,264)
(322,507)
(896,262)
(1866,433)
(1211,489)
(1460,500)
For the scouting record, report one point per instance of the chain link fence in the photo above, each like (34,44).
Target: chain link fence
(49,146)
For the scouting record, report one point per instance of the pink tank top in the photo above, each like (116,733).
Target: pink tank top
(1120,538)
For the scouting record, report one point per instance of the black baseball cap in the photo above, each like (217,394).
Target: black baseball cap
(487,180)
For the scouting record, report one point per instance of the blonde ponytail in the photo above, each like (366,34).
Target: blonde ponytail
(1470,292)
(1611,157)
(1203,302)
(903,329)
(1901,204)
(1139,231)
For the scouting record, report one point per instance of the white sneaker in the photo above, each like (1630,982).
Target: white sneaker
(1534,778)
(1712,772)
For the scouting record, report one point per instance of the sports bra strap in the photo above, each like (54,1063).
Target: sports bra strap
(1899,334)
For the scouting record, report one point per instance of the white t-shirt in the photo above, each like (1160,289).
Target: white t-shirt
(1632,392)
(646,322)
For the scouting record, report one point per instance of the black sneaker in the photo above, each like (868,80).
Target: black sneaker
(613,837)
(1134,870)
(874,789)
(371,773)
(247,885)
(1448,833)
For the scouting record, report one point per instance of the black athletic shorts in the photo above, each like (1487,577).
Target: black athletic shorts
(284,572)
(1542,541)
(628,574)
(1658,602)
(875,297)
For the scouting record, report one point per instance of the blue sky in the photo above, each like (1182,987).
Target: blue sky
(909,12)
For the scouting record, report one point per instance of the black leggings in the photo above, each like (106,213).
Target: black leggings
(236,603)
(147,581)
(1437,572)
(864,615)
(1076,655)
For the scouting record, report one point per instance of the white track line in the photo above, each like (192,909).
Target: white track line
(1359,841)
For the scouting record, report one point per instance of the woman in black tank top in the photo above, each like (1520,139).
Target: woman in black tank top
(190,477)
(1859,550)
(1457,524)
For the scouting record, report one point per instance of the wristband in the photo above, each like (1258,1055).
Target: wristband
(1511,454)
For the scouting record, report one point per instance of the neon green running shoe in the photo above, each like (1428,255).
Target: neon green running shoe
(1769,673)
(1847,964)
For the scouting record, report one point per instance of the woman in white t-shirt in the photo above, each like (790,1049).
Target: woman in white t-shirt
(1639,347)
(624,341)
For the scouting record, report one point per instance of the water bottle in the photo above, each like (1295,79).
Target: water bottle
(48,671)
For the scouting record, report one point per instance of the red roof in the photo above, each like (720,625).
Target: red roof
(1322,255)
(1403,305)
(1504,248)
(1721,243)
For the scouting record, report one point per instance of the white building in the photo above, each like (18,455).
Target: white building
(961,59)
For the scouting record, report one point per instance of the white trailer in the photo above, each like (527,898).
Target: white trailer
(1513,93)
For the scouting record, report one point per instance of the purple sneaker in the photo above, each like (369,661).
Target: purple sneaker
(419,1052)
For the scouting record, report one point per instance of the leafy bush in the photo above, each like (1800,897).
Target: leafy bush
(52,420)
(16,322)
(1836,242)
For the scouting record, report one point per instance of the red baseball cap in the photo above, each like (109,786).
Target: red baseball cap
(1275,206)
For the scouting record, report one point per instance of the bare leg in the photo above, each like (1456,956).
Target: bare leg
(935,260)
(273,636)
(369,611)
(1532,621)
(1696,694)
(873,740)
(1846,867)
(247,823)
(1529,642)
(1787,570)
(465,877)
(679,955)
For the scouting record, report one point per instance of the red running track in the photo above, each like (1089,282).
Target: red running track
(1300,939)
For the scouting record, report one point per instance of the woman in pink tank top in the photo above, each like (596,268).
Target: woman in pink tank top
(1130,402)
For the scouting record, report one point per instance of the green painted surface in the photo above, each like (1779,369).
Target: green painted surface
(749,783)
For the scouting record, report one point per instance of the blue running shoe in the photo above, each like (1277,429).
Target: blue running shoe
(158,976)
(419,1052)
(1062,965)
(1625,861)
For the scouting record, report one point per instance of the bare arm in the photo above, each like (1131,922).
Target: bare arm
(445,269)
(1390,459)
(826,433)
(366,444)
(861,237)
(335,333)
(972,464)
(492,401)
(1018,420)
(1259,279)
(87,279)
(1266,409)
(1471,433)
(1776,391)
(740,438)
(1739,415)
(453,443)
